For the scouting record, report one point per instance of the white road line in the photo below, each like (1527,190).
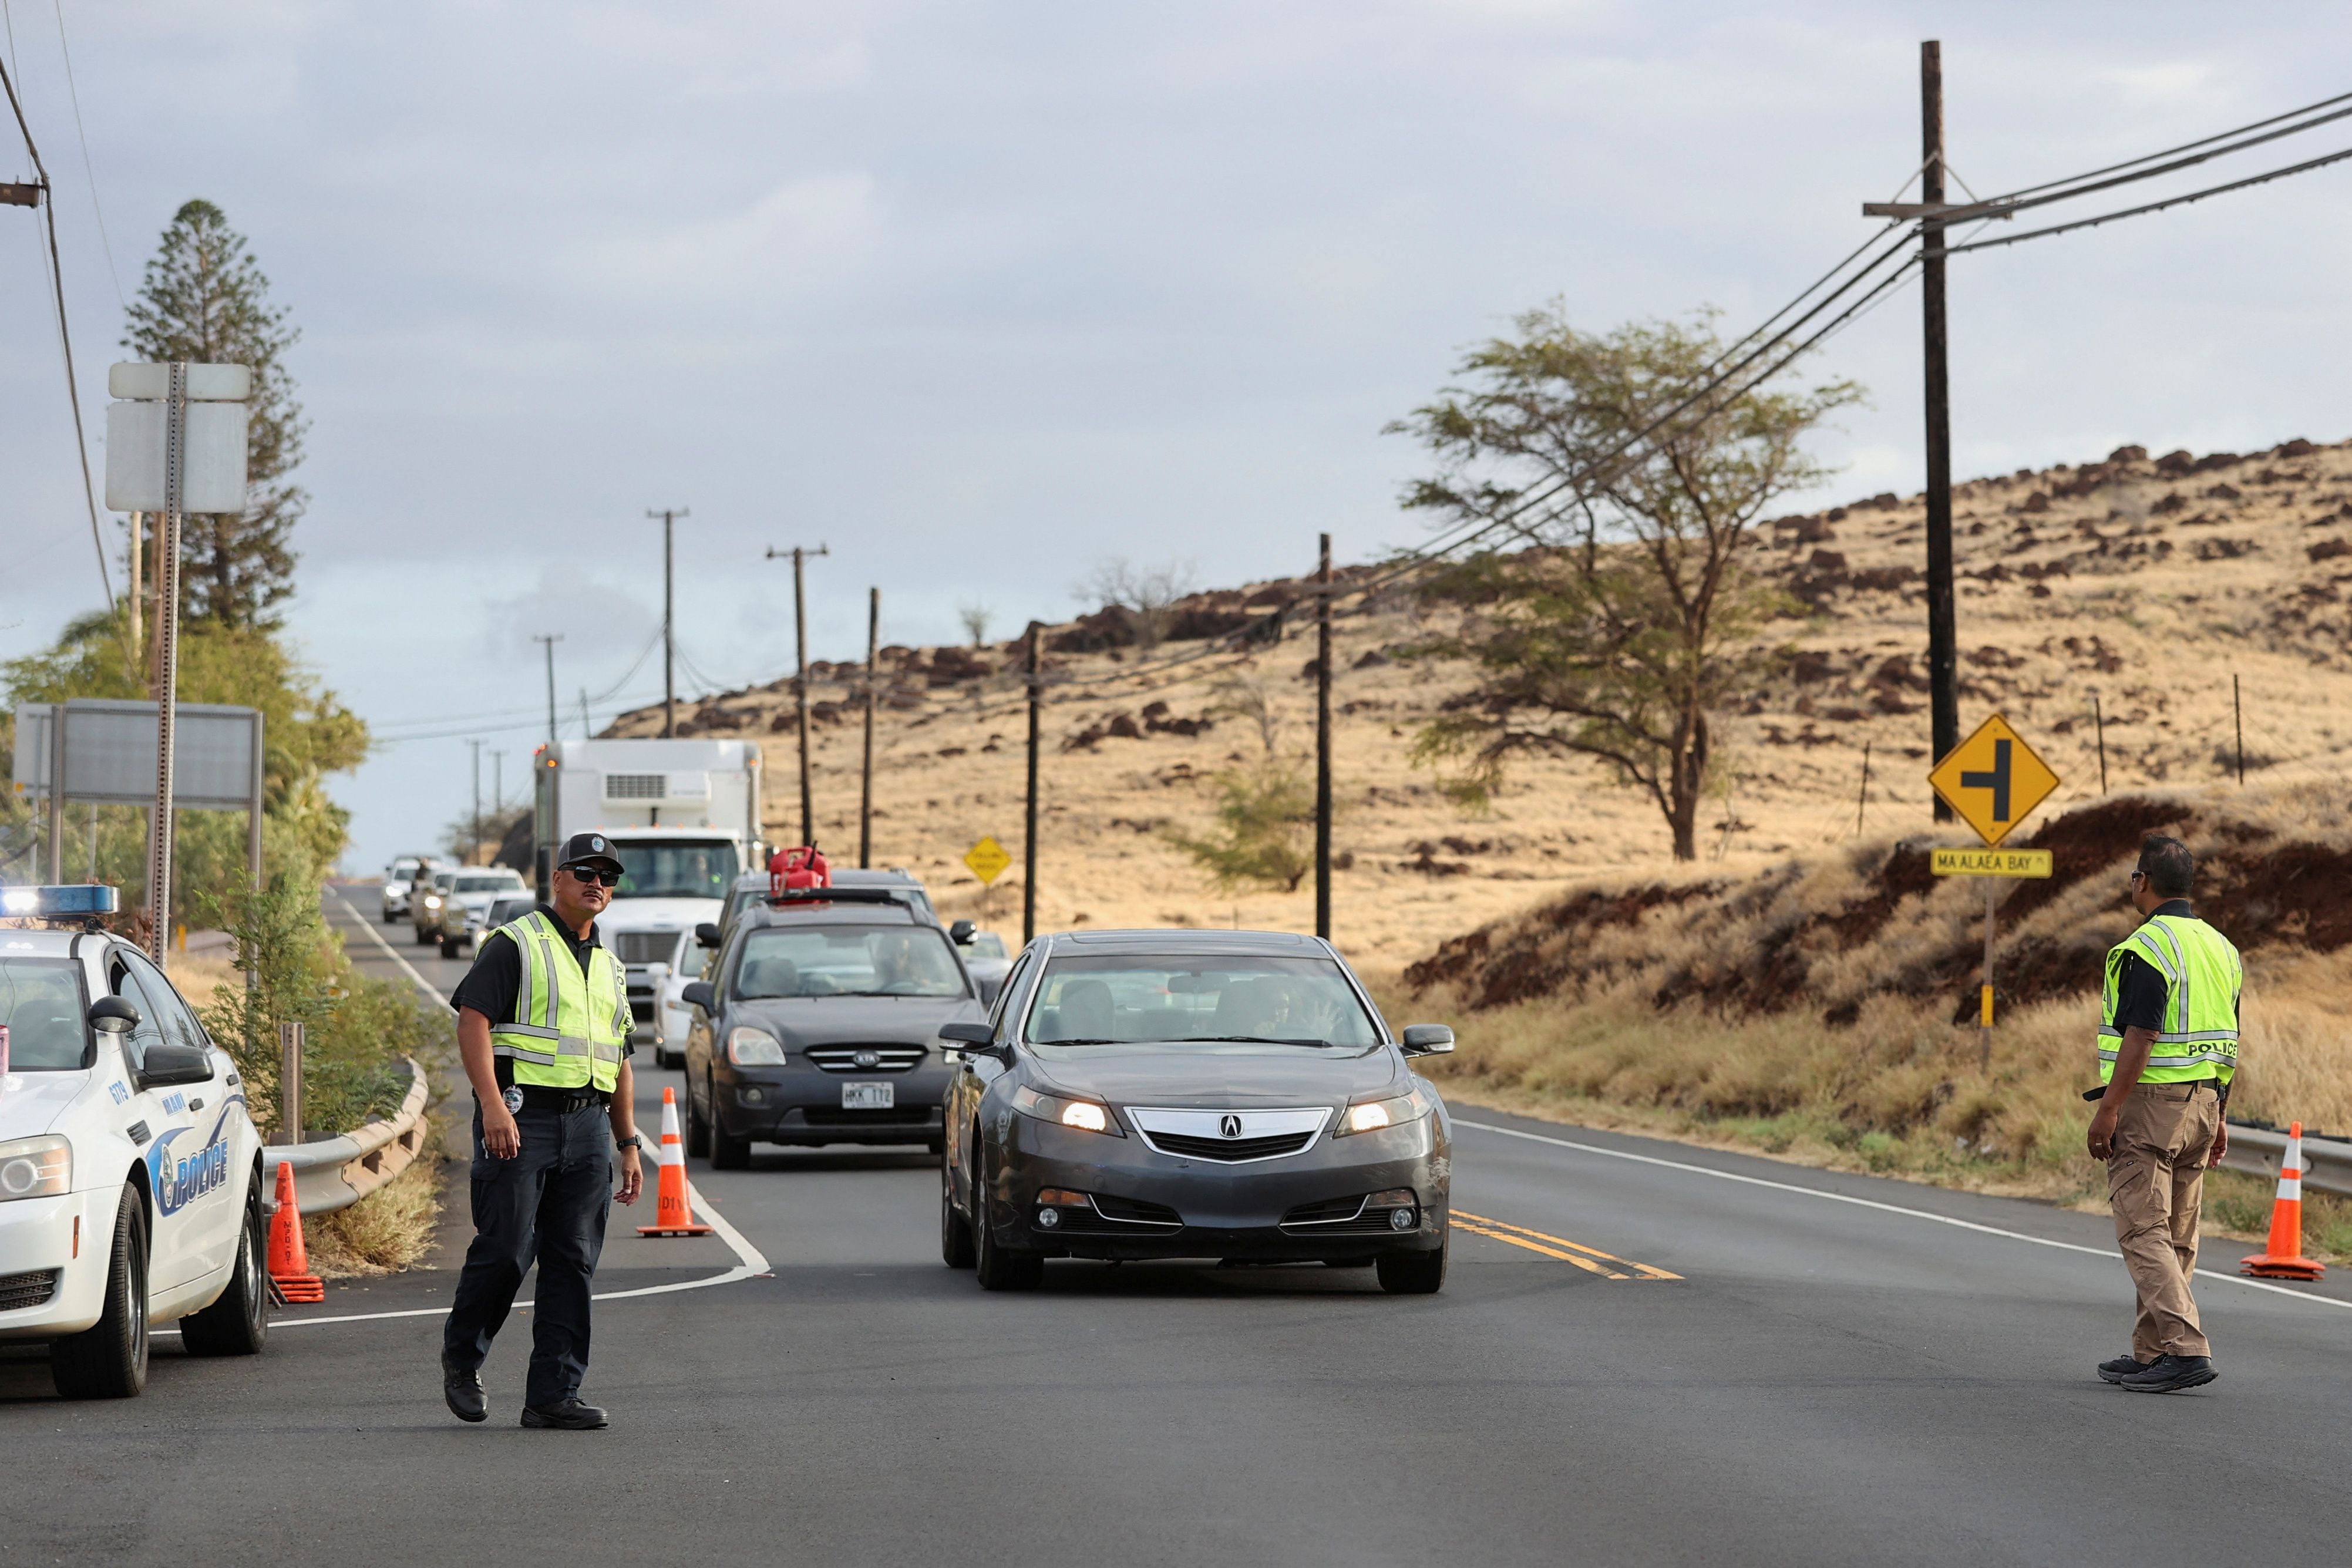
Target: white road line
(390,952)
(1873,1204)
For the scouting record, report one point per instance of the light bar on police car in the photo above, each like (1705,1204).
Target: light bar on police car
(70,901)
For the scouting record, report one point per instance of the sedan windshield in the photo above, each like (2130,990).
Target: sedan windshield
(1103,999)
(847,961)
(683,870)
(486,884)
(40,1002)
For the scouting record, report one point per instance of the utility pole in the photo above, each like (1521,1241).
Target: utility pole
(583,713)
(800,683)
(865,779)
(1943,650)
(548,643)
(1029,827)
(669,626)
(1323,742)
(474,829)
(498,781)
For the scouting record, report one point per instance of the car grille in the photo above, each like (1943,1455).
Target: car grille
(1232,1148)
(901,1116)
(18,1291)
(645,946)
(844,1058)
(1338,1216)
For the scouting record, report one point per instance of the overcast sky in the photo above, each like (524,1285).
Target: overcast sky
(978,295)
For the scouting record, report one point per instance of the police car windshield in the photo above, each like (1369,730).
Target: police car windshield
(40,1002)
(847,961)
(1184,998)
(681,870)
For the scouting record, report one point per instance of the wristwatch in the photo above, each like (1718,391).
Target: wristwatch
(633,1141)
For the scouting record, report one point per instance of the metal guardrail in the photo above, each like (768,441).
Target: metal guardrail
(2327,1161)
(336,1172)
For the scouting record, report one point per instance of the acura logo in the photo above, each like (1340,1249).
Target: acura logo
(1231,1126)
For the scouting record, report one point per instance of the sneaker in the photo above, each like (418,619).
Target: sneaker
(2171,1374)
(2122,1367)
(462,1387)
(571,1415)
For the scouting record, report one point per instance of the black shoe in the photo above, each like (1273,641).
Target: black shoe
(571,1415)
(462,1387)
(2171,1374)
(2122,1367)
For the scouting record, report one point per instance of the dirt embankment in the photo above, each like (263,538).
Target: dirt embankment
(1827,935)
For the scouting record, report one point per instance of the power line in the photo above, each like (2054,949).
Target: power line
(65,337)
(2155,207)
(2186,147)
(73,95)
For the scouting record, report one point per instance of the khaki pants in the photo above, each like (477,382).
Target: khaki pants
(2156,1183)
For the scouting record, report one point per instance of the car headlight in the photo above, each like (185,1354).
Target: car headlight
(1083,1115)
(750,1047)
(1373,1115)
(432,902)
(36,1168)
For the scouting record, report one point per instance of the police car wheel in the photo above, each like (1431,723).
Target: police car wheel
(238,1322)
(109,1359)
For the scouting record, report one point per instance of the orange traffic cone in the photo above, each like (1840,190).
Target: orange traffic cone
(2282,1258)
(673,1215)
(289,1259)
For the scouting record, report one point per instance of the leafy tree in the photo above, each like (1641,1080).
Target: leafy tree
(1264,834)
(204,299)
(1632,620)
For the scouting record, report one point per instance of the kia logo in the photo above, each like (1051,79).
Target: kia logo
(868,1059)
(1231,1126)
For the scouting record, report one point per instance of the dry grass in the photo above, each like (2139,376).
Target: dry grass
(388,1231)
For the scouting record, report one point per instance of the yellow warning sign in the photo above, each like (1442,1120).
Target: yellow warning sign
(1992,863)
(1993,779)
(987,859)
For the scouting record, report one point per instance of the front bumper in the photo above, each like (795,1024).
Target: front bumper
(37,1240)
(1227,1210)
(798,1103)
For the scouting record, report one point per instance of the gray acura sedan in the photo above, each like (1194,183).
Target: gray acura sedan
(1179,1094)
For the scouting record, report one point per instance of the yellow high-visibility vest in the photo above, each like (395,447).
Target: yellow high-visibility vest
(569,1028)
(2202,979)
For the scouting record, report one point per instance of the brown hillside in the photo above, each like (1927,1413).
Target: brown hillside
(2148,584)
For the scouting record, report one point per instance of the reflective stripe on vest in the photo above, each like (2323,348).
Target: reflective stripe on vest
(562,1036)
(2202,979)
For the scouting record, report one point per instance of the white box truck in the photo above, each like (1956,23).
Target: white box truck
(684,817)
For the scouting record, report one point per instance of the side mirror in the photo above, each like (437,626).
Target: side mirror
(707,934)
(975,1039)
(699,993)
(170,1064)
(113,1015)
(1427,1039)
(962,933)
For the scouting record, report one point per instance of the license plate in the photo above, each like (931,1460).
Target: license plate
(868,1096)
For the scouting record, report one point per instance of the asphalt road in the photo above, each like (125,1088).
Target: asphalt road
(1646,1353)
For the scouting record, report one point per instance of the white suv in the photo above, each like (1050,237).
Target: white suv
(130,1173)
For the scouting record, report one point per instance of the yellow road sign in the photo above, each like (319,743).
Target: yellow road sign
(1992,863)
(987,859)
(1993,779)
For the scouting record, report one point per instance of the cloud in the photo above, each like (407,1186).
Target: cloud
(572,602)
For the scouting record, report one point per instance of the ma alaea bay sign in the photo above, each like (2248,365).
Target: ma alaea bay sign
(1993,780)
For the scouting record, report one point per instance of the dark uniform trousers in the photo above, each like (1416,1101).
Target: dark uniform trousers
(546,1205)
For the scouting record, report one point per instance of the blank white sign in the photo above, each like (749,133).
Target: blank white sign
(216,458)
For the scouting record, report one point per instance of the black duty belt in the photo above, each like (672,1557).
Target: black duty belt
(538,1097)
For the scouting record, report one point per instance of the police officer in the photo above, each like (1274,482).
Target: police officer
(543,1027)
(2168,1049)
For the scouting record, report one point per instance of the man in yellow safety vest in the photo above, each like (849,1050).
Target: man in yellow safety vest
(2168,1049)
(543,1029)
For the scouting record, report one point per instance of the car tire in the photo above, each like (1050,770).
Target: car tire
(1413,1273)
(698,1129)
(728,1153)
(451,947)
(1000,1268)
(955,1231)
(238,1323)
(109,1359)
(423,936)
(667,1058)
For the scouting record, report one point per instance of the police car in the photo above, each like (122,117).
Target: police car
(130,1172)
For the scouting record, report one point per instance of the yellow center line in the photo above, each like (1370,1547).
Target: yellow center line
(1584,1263)
(1498,1228)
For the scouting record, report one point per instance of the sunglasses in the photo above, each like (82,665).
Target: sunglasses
(590,874)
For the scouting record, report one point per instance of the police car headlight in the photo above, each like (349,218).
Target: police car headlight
(750,1047)
(36,1168)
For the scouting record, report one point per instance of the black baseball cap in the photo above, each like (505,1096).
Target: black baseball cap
(589,849)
